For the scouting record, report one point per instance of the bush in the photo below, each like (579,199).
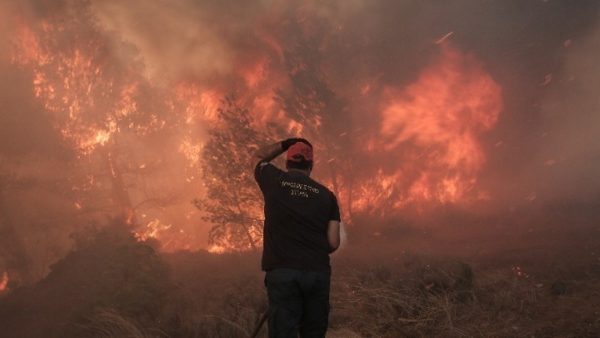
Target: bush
(109,272)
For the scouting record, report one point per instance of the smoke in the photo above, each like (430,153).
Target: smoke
(207,41)
(569,148)
(175,39)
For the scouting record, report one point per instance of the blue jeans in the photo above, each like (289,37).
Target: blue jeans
(298,303)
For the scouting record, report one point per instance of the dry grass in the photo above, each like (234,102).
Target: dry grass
(506,294)
(403,301)
(443,299)
(108,323)
(413,297)
(410,296)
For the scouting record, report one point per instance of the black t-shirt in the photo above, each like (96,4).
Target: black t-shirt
(297,213)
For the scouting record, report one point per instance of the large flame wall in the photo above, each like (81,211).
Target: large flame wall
(108,105)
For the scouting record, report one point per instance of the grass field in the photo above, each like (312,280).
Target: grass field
(512,279)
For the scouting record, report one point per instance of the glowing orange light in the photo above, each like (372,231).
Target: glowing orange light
(200,104)
(4,282)
(191,151)
(438,119)
(255,74)
(217,249)
(433,126)
(153,229)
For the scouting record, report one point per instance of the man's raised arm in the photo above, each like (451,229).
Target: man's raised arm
(271,151)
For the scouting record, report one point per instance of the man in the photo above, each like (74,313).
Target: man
(302,227)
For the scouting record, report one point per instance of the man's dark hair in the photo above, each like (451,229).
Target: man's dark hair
(301,163)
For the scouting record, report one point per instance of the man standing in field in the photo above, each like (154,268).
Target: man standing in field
(302,227)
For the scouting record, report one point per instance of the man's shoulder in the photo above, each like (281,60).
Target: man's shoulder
(322,187)
(265,168)
(262,164)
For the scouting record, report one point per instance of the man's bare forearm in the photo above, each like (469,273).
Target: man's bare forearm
(333,235)
(269,152)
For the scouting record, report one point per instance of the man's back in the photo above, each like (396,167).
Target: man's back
(297,212)
(302,221)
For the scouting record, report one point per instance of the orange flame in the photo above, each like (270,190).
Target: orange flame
(85,100)
(430,129)
(217,249)
(152,230)
(434,126)
(199,104)
(4,282)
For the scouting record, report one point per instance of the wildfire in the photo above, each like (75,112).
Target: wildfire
(256,73)
(430,130)
(226,247)
(152,230)
(199,104)
(217,249)
(68,83)
(191,151)
(433,125)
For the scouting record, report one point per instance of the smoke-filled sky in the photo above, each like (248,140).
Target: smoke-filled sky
(542,54)
(488,103)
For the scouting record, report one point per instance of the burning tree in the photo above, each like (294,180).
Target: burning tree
(312,102)
(232,202)
(120,128)
(135,145)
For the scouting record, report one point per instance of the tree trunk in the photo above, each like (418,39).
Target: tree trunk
(242,223)
(120,195)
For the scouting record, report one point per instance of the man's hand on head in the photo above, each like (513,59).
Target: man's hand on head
(286,144)
(305,141)
(269,152)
